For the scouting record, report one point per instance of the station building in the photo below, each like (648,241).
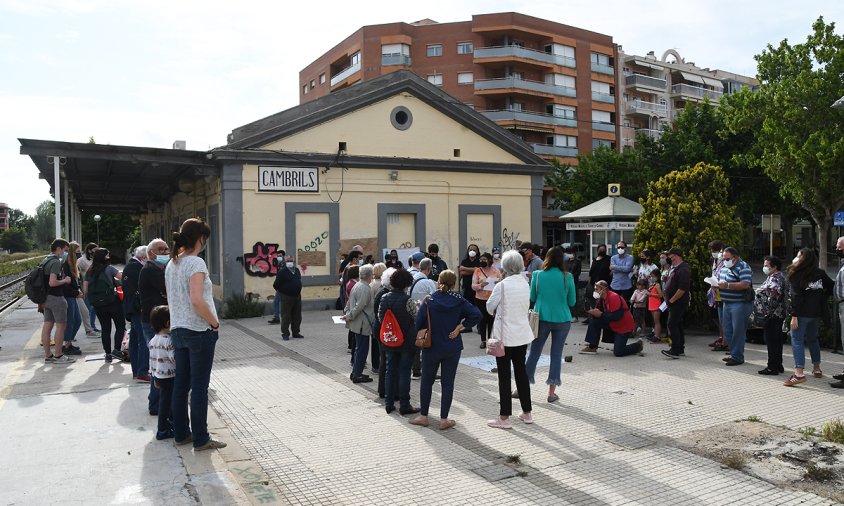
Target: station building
(394,162)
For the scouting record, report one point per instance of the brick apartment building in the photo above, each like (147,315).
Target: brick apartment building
(4,217)
(552,85)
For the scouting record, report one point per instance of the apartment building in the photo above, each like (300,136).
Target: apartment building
(551,85)
(653,91)
(4,217)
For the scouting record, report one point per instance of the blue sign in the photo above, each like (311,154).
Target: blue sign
(838,220)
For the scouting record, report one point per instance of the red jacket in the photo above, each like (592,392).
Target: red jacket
(616,313)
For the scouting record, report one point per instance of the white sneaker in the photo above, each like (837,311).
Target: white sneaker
(498,423)
(526,417)
(64,359)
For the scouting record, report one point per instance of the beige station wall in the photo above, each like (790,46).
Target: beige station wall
(431,135)
(362,191)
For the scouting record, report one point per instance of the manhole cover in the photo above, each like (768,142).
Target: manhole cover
(496,472)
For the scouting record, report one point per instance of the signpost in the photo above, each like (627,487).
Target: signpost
(771,223)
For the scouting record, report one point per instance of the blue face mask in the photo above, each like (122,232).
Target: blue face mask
(63,257)
(202,249)
(289,265)
(162,259)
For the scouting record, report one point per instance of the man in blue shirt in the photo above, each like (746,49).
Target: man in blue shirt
(735,278)
(621,265)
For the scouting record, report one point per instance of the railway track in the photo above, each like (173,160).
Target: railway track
(8,292)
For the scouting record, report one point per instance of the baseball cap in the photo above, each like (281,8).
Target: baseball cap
(417,257)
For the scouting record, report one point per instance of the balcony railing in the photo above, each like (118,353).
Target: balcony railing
(535,86)
(649,108)
(647,81)
(602,69)
(697,92)
(520,52)
(606,127)
(348,71)
(545,149)
(530,117)
(603,97)
(394,59)
(650,132)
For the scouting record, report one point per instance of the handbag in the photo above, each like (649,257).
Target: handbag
(424,335)
(495,347)
(533,316)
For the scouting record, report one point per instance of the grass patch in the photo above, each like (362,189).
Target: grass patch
(816,473)
(833,431)
(11,268)
(521,474)
(734,460)
(240,306)
(513,459)
(808,432)
(753,418)
(20,256)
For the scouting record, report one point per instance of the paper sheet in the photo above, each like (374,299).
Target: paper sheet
(713,282)
(490,286)
(663,307)
(338,320)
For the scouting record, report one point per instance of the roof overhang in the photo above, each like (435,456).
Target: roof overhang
(121,179)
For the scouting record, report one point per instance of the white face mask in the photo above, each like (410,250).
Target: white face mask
(620,251)
(596,295)
(729,263)
(716,256)
(289,265)
(496,257)
(472,254)
(766,270)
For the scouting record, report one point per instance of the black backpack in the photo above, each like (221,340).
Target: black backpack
(101,290)
(37,283)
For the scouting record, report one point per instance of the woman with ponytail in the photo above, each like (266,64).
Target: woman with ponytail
(194,331)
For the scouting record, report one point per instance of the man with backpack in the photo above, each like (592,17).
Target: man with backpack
(53,305)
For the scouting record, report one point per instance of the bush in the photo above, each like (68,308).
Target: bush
(239,306)
(9,268)
(15,240)
(687,209)
(833,431)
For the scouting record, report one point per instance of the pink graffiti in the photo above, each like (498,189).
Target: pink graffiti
(262,261)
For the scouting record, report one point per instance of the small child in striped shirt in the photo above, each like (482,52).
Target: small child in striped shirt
(162,368)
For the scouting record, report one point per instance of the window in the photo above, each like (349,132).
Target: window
(435,79)
(304,89)
(355,59)
(435,50)
(464,48)
(600,59)
(596,143)
(599,87)
(322,78)
(465,78)
(602,116)
(561,111)
(517,75)
(516,106)
(559,49)
(560,80)
(563,141)
(313,84)
(395,54)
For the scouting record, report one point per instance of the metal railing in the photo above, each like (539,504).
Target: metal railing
(641,80)
(650,132)
(603,97)
(520,52)
(512,82)
(647,107)
(603,69)
(394,59)
(606,127)
(529,116)
(695,92)
(348,71)
(545,149)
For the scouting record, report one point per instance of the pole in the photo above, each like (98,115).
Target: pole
(66,215)
(771,235)
(57,194)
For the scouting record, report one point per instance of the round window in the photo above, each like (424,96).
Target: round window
(401,118)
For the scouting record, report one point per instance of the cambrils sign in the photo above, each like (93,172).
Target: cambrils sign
(288,179)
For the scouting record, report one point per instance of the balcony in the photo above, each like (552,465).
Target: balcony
(603,97)
(501,52)
(345,73)
(695,92)
(650,132)
(603,69)
(545,149)
(388,60)
(605,127)
(530,117)
(507,83)
(647,108)
(641,81)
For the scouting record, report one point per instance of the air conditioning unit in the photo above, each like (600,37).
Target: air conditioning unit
(614,189)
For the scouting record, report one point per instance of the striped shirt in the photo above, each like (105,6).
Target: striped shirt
(162,359)
(740,272)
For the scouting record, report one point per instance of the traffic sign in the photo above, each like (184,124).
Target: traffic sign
(838,219)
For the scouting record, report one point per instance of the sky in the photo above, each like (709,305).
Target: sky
(149,73)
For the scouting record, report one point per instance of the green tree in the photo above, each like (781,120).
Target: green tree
(20,219)
(688,209)
(118,232)
(44,224)
(15,240)
(798,139)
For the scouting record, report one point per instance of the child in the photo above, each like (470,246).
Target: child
(162,368)
(654,301)
(639,301)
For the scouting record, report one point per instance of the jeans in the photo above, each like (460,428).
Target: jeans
(277,305)
(194,358)
(431,361)
(516,356)
(734,321)
(559,331)
(138,347)
(404,359)
(805,335)
(74,319)
(361,350)
(620,348)
(774,340)
(92,312)
(107,314)
(165,406)
(676,327)
(154,393)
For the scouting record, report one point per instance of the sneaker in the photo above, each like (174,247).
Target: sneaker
(553,398)
(285,337)
(588,350)
(108,357)
(669,354)
(416,376)
(526,417)
(273,321)
(298,336)
(186,440)
(72,350)
(167,434)
(143,378)
(49,360)
(93,335)
(483,345)
(794,380)
(641,345)
(210,445)
(839,377)
(498,423)
(117,354)
(63,360)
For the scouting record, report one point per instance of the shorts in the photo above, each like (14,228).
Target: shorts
(55,309)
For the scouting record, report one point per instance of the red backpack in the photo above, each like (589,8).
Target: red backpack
(391,334)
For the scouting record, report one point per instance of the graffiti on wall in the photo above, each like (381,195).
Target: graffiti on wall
(262,261)
(316,242)
(508,240)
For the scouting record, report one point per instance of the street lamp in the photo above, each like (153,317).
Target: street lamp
(97,219)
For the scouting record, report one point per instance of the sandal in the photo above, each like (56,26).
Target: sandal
(447,424)
(817,373)
(420,420)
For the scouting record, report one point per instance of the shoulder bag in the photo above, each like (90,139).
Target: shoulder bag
(495,345)
(533,316)
(423,336)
